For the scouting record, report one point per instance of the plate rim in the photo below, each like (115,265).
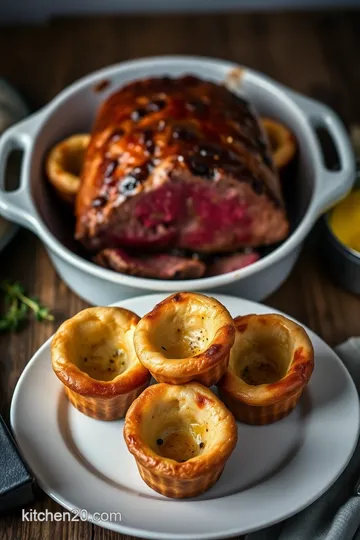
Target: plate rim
(157,535)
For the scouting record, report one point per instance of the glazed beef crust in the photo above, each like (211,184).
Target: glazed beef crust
(178,163)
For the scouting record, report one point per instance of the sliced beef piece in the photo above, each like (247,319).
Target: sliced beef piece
(178,163)
(229,263)
(160,266)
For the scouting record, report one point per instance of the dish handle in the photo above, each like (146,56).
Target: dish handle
(17,205)
(333,185)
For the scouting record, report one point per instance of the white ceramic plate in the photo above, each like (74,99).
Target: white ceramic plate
(274,472)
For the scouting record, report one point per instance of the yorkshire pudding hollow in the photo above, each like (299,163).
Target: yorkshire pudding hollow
(181,437)
(93,356)
(270,364)
(187,337)
(282,142)
(64,164)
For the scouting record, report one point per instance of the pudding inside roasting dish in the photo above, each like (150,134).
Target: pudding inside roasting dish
(178,181)
(270,364)
(181,437)
(94,357)
(187,337)
(64,165)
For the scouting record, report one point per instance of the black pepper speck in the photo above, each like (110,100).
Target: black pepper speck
(156,105)
(137,114)
(99,202)
(128,185)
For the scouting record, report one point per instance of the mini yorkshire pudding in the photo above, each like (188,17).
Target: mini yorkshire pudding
(270,364)
(181,437)
(187,337)
(282,142)
(93,356)
(64,164)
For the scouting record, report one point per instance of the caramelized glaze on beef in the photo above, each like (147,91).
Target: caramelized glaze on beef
(178,163)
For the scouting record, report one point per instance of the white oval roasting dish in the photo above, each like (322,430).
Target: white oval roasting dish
(314,187)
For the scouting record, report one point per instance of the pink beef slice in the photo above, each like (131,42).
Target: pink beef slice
(178,163)
(161,266)
(229,263)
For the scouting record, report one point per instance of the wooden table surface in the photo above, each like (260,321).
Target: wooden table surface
(315,53)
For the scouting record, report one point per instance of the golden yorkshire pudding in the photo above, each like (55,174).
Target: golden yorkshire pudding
(282,142)
(93,356)
(270,364)
(64,164)
(181,437)
(187,337)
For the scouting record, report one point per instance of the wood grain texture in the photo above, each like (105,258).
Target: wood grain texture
(315,53)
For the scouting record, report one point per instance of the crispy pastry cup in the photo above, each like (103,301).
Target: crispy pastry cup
(282,141)
(163,405)
(186,337)
(99,335)
(64,163)
(287,345)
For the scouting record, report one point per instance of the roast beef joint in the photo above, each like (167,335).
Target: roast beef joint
(178,164)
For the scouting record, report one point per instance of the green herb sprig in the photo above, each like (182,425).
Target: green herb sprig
(18,305)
